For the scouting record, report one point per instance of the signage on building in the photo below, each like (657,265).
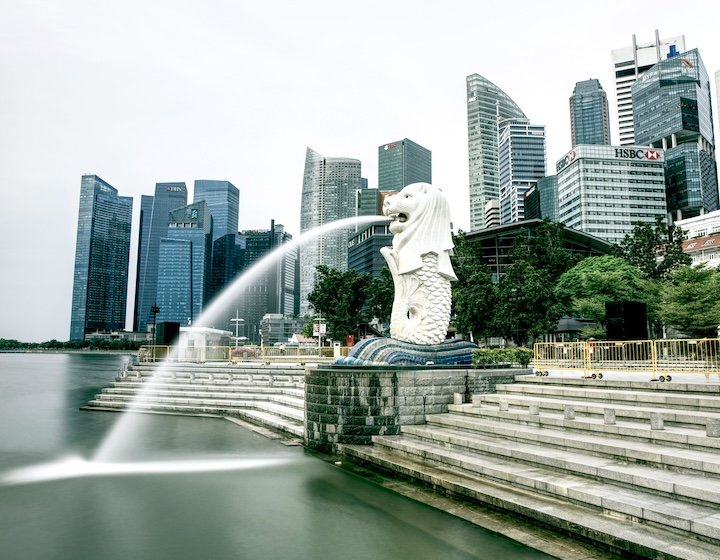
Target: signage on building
(564,162)
(634,153)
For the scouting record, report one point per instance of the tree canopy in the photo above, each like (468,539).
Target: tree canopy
(655,249)
(585,288)
(474,294)
(339,298)
(690,301)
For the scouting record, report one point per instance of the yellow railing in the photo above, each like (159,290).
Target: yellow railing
(661,358)
(263,354)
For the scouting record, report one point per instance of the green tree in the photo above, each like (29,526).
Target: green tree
(527,305)
(690,301)
(339,298)
(588,286)
(655,249)
(379,295)
(474,294)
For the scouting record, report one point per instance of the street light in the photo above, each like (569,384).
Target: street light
(237,320)
(154,309)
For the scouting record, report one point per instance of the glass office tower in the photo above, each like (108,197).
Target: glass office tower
(672,110)
(403,163)
(328,194)
(185,259)
(223,200)
(521,162)
(629,63)
(487,104)
(589,114)
(102,254)
(154,221)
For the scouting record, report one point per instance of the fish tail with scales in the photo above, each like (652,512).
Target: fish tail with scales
(421,308)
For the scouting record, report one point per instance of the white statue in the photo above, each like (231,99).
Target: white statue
(419,261)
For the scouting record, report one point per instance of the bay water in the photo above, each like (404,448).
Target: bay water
(273,501)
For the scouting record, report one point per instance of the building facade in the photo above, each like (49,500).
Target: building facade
(102,254)
(605,190)
(402,163)
(629,63)
(673,111)
(328,194)
(487,104)
(154,221)
(223,200)
(185,263)
(364,249)
(703,243)
(274,288)
(521,163)
(589,114)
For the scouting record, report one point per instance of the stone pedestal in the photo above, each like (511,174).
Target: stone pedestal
(347,404)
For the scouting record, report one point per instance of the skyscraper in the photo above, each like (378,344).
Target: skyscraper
(273,289)
(629,63)
(328,194)
(521,162)
(589,114)
(673,111)
(223,201)
(402,163)
(183,285)
(154,221)
(102,254)
(487,104)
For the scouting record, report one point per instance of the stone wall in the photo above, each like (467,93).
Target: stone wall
(348,404)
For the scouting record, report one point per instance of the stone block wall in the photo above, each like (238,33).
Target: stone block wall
(350,404)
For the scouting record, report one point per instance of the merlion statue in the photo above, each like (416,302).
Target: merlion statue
(419,262)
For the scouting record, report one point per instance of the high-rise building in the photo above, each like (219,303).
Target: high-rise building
(185,259)
(605,190)
(274,289)
(223,200)
(154,222)
(487,104)
(328,194)
(589,114)
(403,163)
(629,63)
(521,162)
(102,254)
(673,111)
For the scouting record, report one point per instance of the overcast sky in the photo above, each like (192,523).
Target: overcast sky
(139,92)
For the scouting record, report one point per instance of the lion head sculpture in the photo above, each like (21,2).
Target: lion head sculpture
(421,224)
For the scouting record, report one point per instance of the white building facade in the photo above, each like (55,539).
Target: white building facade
(605,190)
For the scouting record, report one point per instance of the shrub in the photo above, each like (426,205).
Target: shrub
(495,356)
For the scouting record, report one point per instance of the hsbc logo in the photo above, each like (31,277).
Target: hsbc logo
(630,153)
(564,162)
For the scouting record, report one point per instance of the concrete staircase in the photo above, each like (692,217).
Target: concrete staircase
(271,396)
(627,466)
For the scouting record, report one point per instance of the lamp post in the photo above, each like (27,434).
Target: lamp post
(237,320)
(154,309)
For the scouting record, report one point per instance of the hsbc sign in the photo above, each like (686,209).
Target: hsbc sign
(632,153)
(564,162)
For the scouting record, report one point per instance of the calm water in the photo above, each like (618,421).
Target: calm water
(294,507)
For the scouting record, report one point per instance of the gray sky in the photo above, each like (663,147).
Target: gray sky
(140,92)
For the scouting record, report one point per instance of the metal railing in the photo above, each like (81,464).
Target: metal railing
(661,358)
(233,354)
